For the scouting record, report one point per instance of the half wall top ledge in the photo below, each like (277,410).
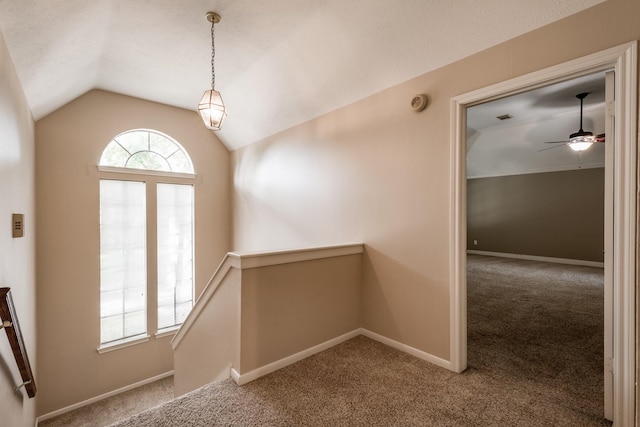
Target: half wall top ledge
(245,260)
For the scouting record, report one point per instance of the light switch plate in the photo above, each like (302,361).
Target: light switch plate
(17,225)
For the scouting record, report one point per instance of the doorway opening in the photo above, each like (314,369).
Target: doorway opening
(622,60)
(535,239)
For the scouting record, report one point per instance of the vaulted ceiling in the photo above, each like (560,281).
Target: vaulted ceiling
(520,144)
(278,62)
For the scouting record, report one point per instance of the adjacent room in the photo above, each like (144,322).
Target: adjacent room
(535,239)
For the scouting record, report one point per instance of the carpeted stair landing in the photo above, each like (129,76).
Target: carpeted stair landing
(512,379)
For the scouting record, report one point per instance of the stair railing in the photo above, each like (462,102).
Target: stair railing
(9,322)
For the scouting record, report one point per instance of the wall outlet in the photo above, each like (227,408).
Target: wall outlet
(475,242)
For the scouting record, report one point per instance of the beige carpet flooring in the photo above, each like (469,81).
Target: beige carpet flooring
(115,408)
(535,359)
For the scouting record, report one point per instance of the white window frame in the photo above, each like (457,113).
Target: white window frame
(151,179)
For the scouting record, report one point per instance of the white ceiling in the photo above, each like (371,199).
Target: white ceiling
(519,145)
(278,62)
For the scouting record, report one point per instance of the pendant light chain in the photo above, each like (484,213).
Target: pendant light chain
(213,55)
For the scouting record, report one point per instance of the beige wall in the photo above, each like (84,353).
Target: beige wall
(69,143)
(259,311)
(376,172)
(17,256)
(556,214)
(211,346)
(289,308)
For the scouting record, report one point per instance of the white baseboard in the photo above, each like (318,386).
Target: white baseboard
(101,397)
(242,379)
(539,258)
(407,349)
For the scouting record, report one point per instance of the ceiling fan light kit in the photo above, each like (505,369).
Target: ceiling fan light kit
(581,140)
(211,107)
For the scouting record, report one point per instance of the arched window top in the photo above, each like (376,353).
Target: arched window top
(147,150)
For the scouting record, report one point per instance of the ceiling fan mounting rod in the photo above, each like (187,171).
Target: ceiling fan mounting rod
(581,97)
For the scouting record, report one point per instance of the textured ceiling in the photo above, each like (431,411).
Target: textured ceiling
(278,62)
(551,113)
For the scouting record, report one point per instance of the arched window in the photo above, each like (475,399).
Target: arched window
(146,149)
(146,177)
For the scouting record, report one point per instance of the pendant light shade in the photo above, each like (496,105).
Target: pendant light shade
(211,107)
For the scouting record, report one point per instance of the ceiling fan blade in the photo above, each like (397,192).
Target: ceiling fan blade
(581,134)
(550,148)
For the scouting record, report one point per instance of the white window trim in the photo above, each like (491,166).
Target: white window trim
(125,342)
(122,172)
(169,331)
(134,171)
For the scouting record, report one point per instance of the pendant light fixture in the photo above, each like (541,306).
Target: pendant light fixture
(211,107)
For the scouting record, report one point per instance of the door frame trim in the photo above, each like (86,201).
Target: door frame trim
(623,60)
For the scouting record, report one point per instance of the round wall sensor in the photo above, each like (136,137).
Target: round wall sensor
(419,103)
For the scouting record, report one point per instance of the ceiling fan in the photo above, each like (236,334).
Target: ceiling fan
(581,140)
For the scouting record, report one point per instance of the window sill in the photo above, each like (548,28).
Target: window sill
(166,332)
(133,171)
(127,342)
